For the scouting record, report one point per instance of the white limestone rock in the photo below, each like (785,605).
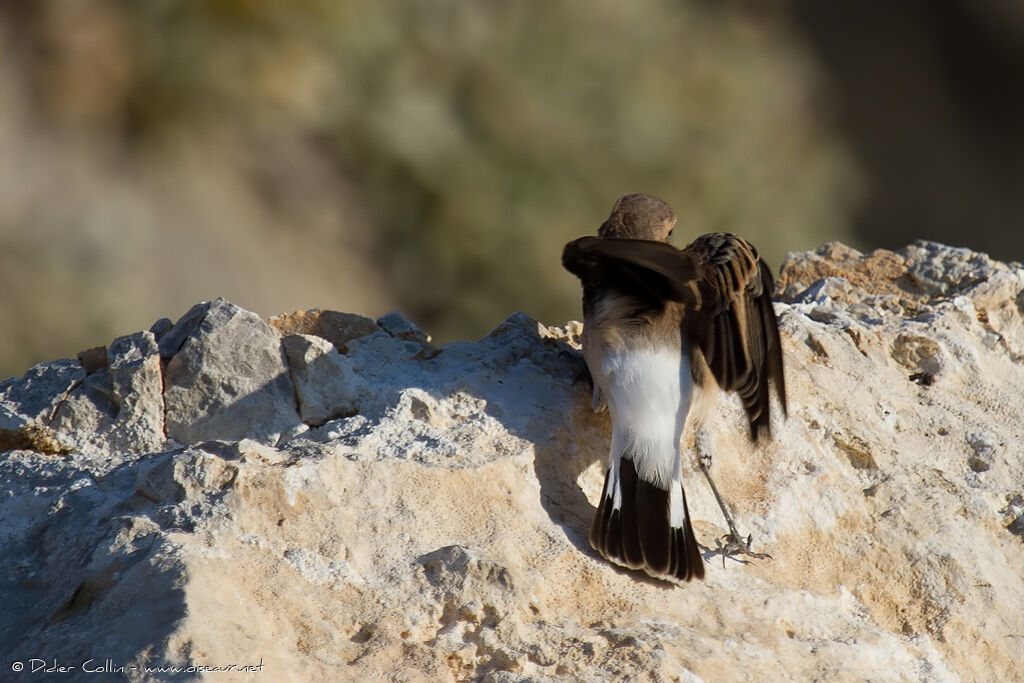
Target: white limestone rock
(117,411)
(226,377)
(28,405)
(400,327)
(440,532)
(325,385)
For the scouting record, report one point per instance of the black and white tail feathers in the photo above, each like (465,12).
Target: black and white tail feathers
(638,533)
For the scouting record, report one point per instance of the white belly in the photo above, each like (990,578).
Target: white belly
(648,392)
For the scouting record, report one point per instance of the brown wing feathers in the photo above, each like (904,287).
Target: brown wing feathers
(654,269)
(735,326)
(726,288)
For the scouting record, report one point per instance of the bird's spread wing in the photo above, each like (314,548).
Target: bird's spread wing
(645,268)
(734,323)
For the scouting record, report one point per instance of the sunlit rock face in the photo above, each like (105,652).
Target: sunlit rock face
(337,498)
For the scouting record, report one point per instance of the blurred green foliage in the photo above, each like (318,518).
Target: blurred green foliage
(461,144)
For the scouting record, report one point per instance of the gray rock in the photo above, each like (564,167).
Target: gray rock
(917,274)
(161,327)
(226,377)
(28,405)
(171,340)
(945,271)
(117,411)
(400,327)
(36,395)
(325,384)
(137,384)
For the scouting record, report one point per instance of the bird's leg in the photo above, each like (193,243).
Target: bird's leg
(734,543)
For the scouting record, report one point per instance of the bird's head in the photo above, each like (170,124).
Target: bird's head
(641,217)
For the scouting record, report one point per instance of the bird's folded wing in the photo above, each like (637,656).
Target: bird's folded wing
(735,325)
(652,270)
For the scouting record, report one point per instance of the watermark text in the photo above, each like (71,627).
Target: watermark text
(37,665)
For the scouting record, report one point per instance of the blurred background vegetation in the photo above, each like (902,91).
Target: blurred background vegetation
(433,156)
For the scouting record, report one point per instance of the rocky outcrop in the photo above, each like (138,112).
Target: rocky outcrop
(332,497)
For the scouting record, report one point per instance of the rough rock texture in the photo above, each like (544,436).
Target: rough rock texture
(340,500)
(226,377)
(325,384)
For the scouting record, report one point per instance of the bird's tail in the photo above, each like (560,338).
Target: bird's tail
(641,526)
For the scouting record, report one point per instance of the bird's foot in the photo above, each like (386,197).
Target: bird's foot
(732,545)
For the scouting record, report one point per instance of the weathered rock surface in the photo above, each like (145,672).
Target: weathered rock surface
(226,377)
(340,500)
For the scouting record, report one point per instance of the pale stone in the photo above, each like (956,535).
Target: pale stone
(440,533)
(325,385)
(226,377)
(117,411)
(29,403)
(397,325)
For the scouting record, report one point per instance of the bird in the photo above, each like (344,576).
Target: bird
(664,330)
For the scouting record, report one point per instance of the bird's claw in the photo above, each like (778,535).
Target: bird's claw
(732,545)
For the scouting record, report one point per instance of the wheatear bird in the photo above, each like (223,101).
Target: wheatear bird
(663,330)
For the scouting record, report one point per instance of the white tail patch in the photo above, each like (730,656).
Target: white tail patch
(676,506)
(613,485)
